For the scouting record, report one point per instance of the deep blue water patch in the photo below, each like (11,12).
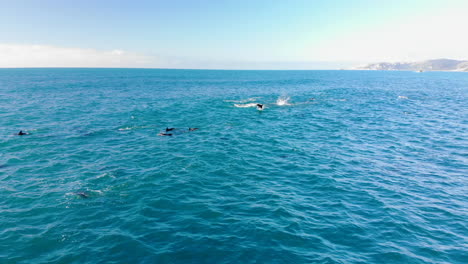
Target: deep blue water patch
(340,167)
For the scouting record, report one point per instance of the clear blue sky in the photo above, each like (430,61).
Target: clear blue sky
(222,30)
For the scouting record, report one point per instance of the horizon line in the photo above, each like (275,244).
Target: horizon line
(202,69)
(212,69)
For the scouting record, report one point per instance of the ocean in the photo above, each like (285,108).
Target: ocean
(339,167)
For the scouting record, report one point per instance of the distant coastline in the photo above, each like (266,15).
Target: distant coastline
(447,65)
(421,66)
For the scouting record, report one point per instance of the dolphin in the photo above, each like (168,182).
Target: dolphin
(82,195)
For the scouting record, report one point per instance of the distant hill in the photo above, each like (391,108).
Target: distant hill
(428,65)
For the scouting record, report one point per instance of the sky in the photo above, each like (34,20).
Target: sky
(229,34)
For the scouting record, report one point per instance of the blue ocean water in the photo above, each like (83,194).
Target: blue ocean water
(340,166)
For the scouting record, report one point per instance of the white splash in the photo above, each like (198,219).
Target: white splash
(134,127)
(246,105)
(242,101)
(283,100)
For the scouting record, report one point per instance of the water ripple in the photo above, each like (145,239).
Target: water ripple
(371,170)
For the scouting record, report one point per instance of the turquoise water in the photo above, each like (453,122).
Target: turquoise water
(340,167)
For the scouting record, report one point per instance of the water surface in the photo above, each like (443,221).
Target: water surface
(340,167)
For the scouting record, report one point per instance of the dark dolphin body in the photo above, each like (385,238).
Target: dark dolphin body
(21,133)
(260,106)
(82,195)
(176,131)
